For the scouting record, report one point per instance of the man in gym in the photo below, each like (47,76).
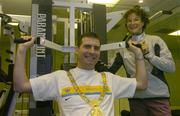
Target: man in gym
(81,90)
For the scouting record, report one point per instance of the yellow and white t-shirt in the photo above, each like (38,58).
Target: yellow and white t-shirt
(57,86)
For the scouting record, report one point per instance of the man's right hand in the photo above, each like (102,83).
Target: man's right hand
(20,81)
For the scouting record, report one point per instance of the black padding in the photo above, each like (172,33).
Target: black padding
(125,113)
(10,72)
(118,62)
(157,72)
(175,112)
(101,66)
(20,40)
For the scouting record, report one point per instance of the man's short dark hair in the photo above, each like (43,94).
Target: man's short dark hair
(88,34)
(139,12)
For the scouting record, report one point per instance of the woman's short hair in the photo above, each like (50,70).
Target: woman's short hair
(139,12)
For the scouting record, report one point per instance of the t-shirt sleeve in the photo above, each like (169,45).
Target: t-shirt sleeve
(123,87)
(44,87)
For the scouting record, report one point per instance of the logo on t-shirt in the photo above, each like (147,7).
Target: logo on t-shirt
(67,98)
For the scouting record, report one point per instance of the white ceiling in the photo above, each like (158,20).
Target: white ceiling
(23,7)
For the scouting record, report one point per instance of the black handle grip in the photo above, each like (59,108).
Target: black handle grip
(126,39)
(138,45)
(20,40)
(127,45)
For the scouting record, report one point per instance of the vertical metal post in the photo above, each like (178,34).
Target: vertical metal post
(41,58)
(72,30)
(99,22)
(33,57)
(66,39)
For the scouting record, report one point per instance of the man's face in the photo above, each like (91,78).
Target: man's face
(88,53)
(134,24)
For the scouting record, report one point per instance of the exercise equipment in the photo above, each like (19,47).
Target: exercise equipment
(6,91)
(49,44)
(8,95)
(41,27)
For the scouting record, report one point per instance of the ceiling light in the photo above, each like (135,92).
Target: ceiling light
(13,23)
(175,33)
(140,1)
(108,3)
(75,26)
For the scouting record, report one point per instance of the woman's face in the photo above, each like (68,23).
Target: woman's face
(134,24)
